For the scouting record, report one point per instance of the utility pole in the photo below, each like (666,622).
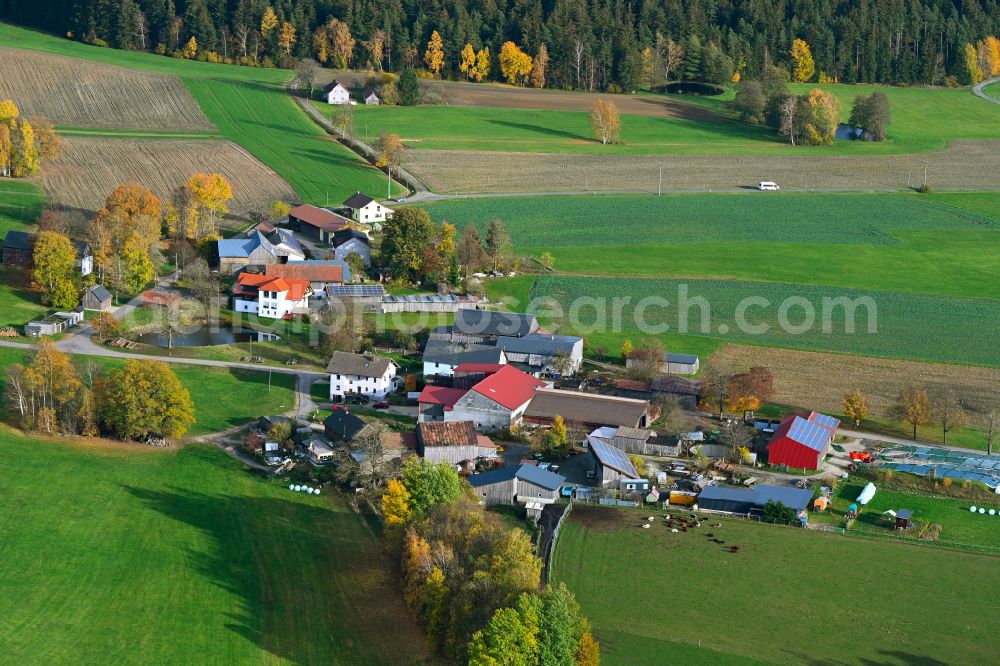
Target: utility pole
(388,183)
(659,187)
(926,163)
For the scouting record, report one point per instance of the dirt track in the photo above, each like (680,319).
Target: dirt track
(963,165)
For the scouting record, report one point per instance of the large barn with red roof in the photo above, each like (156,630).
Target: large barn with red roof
(802,441)
(497,401)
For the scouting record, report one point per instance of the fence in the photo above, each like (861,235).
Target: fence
(549,545)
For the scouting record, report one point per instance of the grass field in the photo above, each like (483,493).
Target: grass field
(909,326)
(83,94)
(112,554)
(91,167)
(789,596)
(223,397)
(21,203)
(922,121)
(249,107)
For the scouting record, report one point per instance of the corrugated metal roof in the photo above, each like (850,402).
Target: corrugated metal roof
(490,322)
(689,359)
(493,476)
(540,477)
(538,343)
(575,406)
(613,457)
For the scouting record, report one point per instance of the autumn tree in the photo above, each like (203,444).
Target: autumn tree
(404,237)
(913,406)
(856,407)
(190,49)
(105,325)
(715,383)
(626,350)
(434,55)
(747,390)
(132,269)
(871,114)
(470,249)
(343,118)
(142,398)
(467,61)
(55,270)
(333,44)
(818,117)
(49,143)
(788,112)
(988,56)
(803,66)
(210,196)
(47,392)
(396,504)
(278,210)
(971,71)
(647,360)
(515,64)
(539,66)
(498,243)
(482,67)
(429,484)
(375,46)
(268,22)
(605,121)
(24,160)
(6,151)
(390,151)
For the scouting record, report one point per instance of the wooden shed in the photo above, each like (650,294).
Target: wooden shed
(97,298)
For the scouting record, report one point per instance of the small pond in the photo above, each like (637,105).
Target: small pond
(207,336)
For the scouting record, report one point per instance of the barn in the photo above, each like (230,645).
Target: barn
(751,501)
(802,441)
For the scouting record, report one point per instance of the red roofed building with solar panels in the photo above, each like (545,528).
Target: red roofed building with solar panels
(802,441)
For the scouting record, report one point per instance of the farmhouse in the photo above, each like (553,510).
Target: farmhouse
(586,411)
(360,374)
(336,93)
(321,275)
(510,485)
(256,249)
(366,210)
(343,426)
(751,501)
(96,298)
(802,442)
(370,96)
(441,356)
(678,364)
(316,223)
(499,401)
(271,297)
(541,352)
(349,241)
(455,442)
(84,261)
(612,466)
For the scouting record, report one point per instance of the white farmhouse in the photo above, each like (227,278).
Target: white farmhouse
(336,93)
(269,296)
(366,210)
(360,374)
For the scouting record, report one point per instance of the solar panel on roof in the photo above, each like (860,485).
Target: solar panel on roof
(612,456)
(823,419)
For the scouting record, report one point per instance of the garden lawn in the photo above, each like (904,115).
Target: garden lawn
(789,596)
(21,203)
(223,397)
(923,119)
(124,554)
(886,324)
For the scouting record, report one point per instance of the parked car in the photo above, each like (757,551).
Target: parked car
(768,186)
(401,200)
(554,469)
(381,404)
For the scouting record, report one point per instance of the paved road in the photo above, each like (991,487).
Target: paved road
(977,90)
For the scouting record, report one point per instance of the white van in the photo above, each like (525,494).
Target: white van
(767,186)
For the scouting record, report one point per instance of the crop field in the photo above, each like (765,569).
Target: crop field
(965,164)
(122,554)
(908,326)
(876,241)
(820,381)
(82,94)
(789,595)
(265,121)
(91,167)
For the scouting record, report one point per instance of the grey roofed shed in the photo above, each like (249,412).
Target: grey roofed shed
(682,358)
(542,478)
(538,343)
(491,322)
(493,476)
(747,500)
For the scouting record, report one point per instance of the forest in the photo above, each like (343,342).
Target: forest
(589,44)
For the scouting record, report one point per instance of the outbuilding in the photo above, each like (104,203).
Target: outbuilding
(751,501)
(96,298)
(802,442)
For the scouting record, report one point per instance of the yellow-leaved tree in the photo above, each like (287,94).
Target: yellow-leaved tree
(268,22)
(606,122)
(988,56)
(515,64)
(190,49)
(55,269)
(434,55)
(396,504)
(211,193)
(803,66)
(855,406)
(286,38)
(482,67)
(467,60)
(539,66)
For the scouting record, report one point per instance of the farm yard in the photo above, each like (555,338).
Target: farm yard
(75,93)
(91,167)
(790,595)
(820,381)
(909,326)
(186,545)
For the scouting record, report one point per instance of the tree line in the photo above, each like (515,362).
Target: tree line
(48,394)
(475,583)
(25,142)
(581,44)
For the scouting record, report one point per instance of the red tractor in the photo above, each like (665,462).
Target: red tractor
(862,456)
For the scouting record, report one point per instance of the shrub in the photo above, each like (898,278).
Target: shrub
(924,189)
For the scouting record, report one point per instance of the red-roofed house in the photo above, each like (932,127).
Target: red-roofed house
(269,296)
(317,223)
(498,401)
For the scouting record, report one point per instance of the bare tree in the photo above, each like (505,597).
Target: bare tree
(949,413)
(367,464)
(990,421)
(715,382)
(578,51)
(672,59)
(786,113)
(306,72)
(673,419)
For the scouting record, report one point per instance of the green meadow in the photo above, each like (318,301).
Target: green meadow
(923,119)
(790,596)
(113,554)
